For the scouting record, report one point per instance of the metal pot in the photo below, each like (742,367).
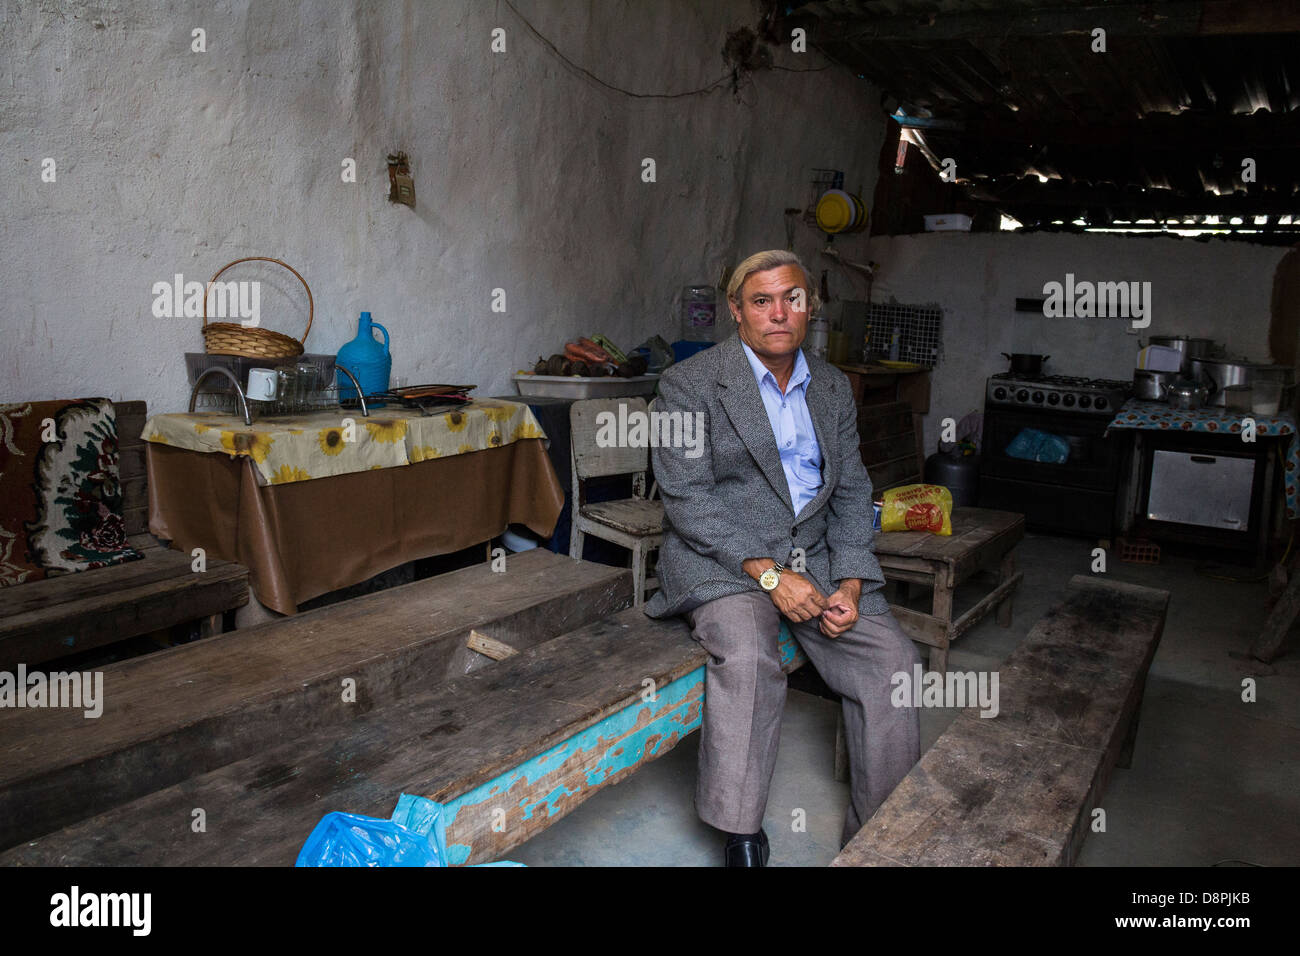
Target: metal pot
(1237,398)
(1191,347)
(1026,363)
(1187,396)
(1218,374)
(1152,386)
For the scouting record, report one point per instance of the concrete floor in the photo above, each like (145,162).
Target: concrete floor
(1213,779)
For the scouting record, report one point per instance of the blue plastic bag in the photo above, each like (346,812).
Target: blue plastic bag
(412,837)
(1033,445)
(415,835)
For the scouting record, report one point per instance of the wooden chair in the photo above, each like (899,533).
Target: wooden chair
(634,523)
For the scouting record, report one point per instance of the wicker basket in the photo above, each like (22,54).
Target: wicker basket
(232,338)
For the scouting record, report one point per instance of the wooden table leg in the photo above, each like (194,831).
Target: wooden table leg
(1005,572)
(942,609)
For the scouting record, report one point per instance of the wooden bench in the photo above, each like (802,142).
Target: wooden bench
(42,621)
(1018,789)
(508,749)
(190,709)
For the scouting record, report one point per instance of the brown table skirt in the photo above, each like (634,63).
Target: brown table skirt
(308,538)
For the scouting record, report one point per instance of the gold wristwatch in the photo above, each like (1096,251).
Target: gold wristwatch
(770,578)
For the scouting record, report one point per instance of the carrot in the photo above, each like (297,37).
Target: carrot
(597,352)
(577,353)
(590,355)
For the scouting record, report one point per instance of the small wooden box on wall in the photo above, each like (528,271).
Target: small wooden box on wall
(401,187)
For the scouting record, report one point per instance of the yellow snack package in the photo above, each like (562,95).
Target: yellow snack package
(917,508)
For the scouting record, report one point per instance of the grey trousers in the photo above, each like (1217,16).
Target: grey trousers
(745,694)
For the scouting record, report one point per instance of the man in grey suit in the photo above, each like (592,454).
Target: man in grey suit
(773,521)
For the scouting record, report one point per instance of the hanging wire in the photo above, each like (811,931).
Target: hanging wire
(725,78)
(732,76)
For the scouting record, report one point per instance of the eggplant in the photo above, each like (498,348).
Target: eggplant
(555,365)
(541,366)
(625,370)
(580,368)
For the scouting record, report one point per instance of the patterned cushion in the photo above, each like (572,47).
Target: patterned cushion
(60,497)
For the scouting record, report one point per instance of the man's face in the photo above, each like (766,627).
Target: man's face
(773,311)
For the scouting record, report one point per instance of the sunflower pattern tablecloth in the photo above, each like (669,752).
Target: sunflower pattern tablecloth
(1160,416)
(340,441)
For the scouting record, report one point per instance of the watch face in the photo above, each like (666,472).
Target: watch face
(769,579)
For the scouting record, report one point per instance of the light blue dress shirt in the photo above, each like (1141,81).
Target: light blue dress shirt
(796,439)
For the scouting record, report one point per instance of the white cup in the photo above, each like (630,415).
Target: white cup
(262,384)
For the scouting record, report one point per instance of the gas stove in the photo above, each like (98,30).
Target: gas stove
(1058,393)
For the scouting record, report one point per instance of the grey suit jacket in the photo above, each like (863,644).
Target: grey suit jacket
(732,502)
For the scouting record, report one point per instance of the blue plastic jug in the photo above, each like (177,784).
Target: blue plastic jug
(365,358)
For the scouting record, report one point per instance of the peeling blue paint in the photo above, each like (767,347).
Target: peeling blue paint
(630,737)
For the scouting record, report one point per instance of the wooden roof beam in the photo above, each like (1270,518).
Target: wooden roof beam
(1159,132)
(1123,204)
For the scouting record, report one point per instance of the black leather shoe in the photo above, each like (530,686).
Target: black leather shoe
(743,849)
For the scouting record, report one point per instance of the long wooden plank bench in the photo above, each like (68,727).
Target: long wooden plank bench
(190,709)
(42,621)
(508,749)
(1018,789)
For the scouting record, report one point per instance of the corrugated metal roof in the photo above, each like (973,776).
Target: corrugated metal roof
(1013,90)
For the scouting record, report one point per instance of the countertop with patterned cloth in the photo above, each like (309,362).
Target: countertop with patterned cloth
(339,442)
(1160,416)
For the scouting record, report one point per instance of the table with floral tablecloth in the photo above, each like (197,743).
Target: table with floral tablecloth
(321,444)
(318,502)
(1160,416)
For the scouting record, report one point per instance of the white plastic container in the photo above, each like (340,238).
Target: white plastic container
(1160,358)
(947,222)
(578,386)
(1266,397)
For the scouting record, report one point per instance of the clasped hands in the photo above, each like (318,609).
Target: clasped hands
(798,599)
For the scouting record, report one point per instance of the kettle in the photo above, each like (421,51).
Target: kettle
(1187,396)
(365,358)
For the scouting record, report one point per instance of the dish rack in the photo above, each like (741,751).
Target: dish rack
(219,394)
(222,378)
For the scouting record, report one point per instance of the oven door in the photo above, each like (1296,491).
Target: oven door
(1093,460)
(1212,491)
